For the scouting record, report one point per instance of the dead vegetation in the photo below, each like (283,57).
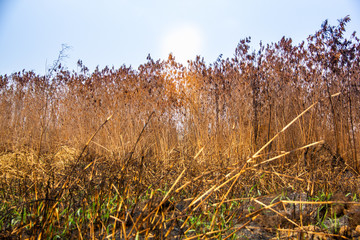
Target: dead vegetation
(263,145)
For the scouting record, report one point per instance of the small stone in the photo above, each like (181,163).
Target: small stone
(345,231)
(357,229)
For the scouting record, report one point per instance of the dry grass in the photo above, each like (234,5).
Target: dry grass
(263,145)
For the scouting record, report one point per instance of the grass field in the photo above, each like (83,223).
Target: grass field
(261,146)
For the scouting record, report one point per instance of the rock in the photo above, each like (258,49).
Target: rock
(354,215)
(357,229)
(356,232)
(345,231)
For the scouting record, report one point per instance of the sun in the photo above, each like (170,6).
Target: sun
(185,42)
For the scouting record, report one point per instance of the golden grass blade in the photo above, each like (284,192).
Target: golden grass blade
(165,197)
(282,130)
(199,152)
(92,137)
(287,153)
(278,213)
(319,203)
(256,213)
(288,125)
(202,196)
(172,187)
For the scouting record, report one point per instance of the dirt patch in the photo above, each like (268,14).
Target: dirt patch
(338,217)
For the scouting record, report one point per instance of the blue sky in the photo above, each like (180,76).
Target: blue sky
(117,32)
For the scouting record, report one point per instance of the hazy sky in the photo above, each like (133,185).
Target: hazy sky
(117,32)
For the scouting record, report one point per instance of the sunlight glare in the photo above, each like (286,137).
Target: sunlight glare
(184,42)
